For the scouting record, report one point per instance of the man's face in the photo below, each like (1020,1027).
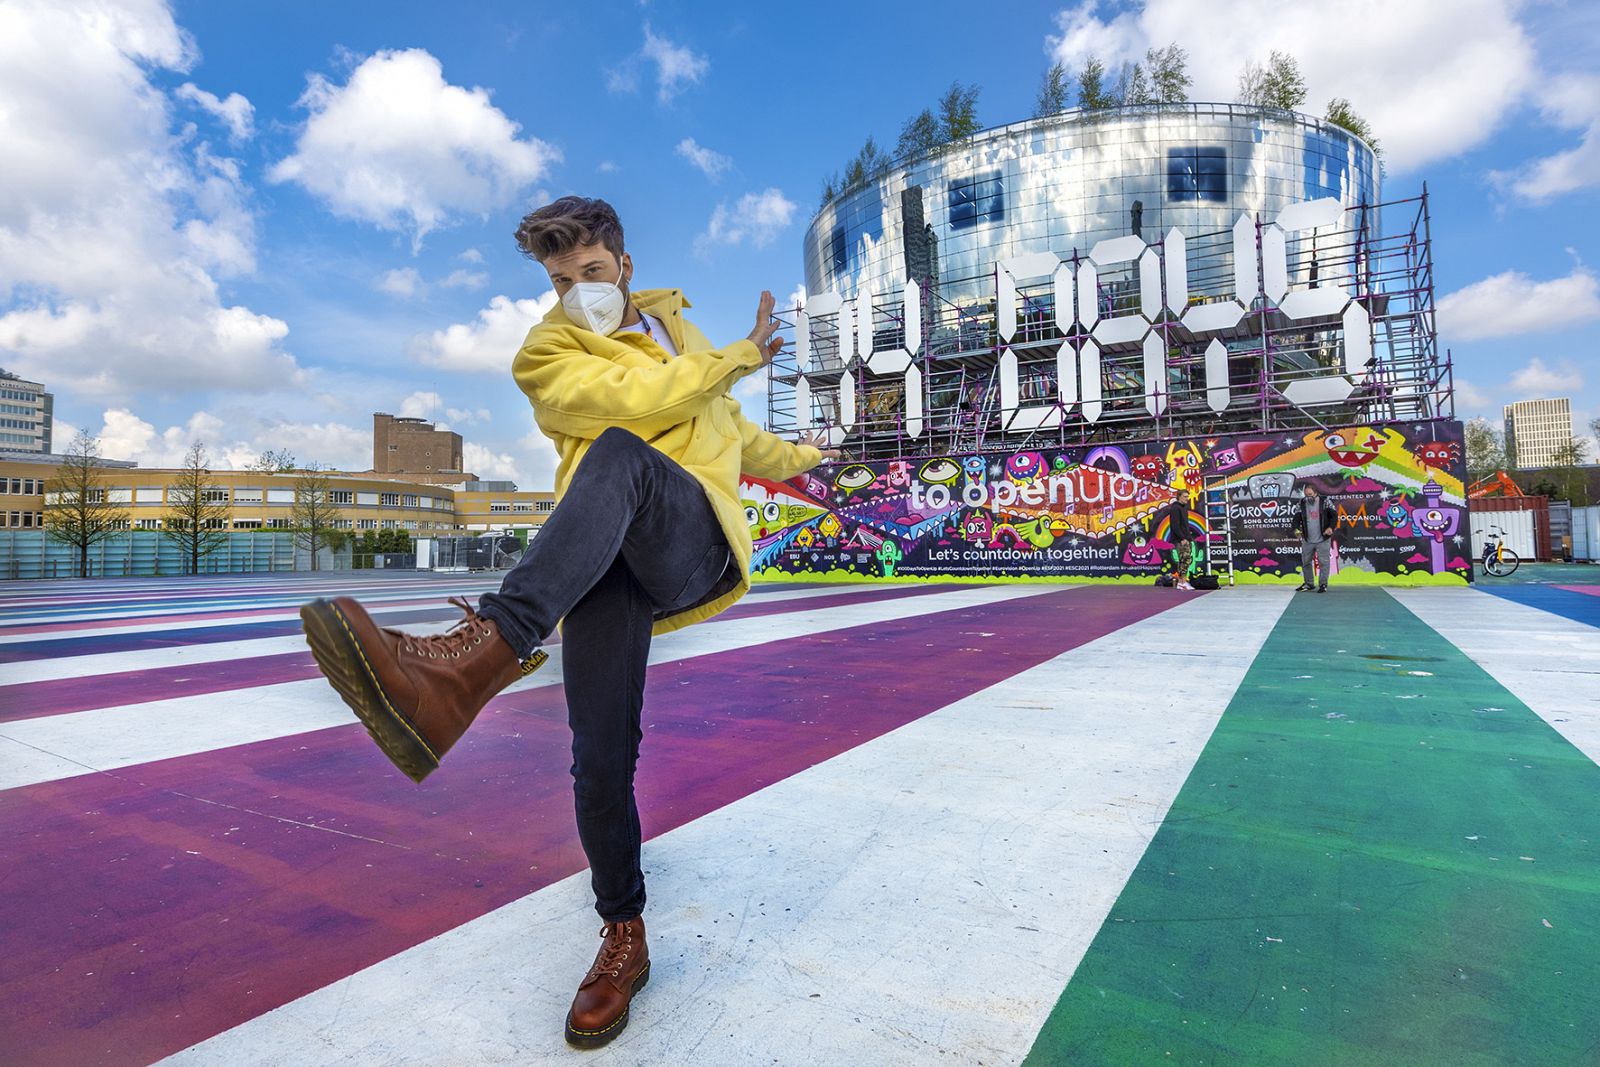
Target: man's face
(1311,494)
(588,263)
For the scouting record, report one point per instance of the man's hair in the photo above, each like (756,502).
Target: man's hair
(569,222)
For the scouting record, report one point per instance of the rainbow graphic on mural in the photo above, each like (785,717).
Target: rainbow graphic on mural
(1119,511)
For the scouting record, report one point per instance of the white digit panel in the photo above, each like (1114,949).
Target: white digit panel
(1013,416)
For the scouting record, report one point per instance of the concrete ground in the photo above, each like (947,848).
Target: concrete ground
(968,824)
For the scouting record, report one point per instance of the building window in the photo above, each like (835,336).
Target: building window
(980,198)
(388,524)
(1196,173)
(147,524)
(96,496)
(341,496)
(32,487)
(116,524)
(247,524)
(499,505)
(391,500)
(410,500)
(366,524)
(340,524)
(215,496)
(277,524)
(545,506)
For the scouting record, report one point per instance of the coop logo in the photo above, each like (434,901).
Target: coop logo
(1162,272)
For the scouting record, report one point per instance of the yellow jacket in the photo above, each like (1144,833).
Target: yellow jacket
(581,383)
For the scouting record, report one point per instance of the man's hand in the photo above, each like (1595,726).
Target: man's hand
(766,326)
(819,441)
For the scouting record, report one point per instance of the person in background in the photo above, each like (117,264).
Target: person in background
(1314,526)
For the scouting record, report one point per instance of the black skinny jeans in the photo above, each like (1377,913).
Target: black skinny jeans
(633,537)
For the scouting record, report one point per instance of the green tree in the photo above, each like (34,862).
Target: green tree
(1168,70)
(958,112)
(869,163)
(920,135)
(1486,451)
(1571,481)
(1278,83)
(1133,87)
(76,509)
(1092,93)
(197,510)
(313,514)
(1053,90)
(1341,114)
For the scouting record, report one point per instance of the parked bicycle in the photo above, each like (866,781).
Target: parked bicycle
(1498,560)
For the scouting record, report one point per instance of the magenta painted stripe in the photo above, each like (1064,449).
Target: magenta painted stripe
(174,900)
(61,696)
(1591,590)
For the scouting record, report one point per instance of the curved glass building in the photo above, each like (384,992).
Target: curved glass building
(1117,274)
(1066,182)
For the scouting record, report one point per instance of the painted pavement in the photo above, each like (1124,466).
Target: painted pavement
(984,824)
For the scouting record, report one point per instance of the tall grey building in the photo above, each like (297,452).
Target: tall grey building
(27,413)
(1536,430)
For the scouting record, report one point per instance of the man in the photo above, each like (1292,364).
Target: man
(1314,526)
(648,536)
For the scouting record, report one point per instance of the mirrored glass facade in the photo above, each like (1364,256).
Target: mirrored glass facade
(1065,182)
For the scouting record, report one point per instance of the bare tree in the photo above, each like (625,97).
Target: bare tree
(197,509)
(76,509)
(274,461)
(1278,83)
(314,514)
(1053,89)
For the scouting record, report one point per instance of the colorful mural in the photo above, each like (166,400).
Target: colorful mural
(1118,511)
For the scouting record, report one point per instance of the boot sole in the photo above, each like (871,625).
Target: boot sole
(596,1038)
(344,664)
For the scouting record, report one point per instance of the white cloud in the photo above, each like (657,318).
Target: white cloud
(1537,381)
(1570,102)
(236,113)
(1469,397)
(1436,81)
(622,79)
(487,464)
(710,163)
(676,65)
(114,228)
(607,167)
(755,217)
(399,147)
(231,444)
(1511,303)
(465,279)
(402,282)
(469,416)
(471,255)
(795,299)
(420,405)
(488,345)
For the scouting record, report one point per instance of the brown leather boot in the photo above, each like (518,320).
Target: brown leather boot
(417,695)
(600,1010)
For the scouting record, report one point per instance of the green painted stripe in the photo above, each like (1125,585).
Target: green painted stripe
(1341,879)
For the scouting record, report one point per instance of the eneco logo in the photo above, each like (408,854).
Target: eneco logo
(1163,278)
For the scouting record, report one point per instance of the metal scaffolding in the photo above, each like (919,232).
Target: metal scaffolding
(1380,254)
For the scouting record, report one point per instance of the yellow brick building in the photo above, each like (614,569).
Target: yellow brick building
(262,501)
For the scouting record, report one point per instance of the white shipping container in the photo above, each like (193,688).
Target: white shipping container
(1586,533)
(1515,529)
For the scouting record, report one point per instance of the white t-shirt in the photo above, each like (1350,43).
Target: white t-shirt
(654,329)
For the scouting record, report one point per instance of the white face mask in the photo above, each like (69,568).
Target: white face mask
(596,306)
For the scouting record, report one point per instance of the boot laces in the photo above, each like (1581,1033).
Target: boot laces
(614,952)
(463,636)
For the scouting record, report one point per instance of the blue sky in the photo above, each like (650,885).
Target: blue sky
(253,224)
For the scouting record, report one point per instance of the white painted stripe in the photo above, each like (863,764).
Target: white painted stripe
(1550,663)
(61,746)
(108,662)
(923,898)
